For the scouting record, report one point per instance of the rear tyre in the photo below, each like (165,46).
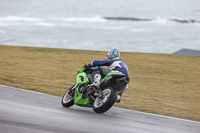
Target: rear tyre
(68,98)
(103,104)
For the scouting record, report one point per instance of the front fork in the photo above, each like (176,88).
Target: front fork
(99,93)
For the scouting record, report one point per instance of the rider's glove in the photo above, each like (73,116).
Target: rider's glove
(87,66)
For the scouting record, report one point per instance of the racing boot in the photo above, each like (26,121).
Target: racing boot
(118,98)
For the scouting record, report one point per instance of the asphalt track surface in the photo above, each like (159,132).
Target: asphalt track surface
(23,111)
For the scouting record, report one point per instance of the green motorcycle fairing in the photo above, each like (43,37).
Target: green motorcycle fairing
(80,80)
(83,79)
(109,74)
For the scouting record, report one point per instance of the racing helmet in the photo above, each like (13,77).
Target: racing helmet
(113,53)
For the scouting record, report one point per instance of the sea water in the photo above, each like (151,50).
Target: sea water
(150,26)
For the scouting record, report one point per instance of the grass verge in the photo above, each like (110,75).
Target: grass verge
(160,83)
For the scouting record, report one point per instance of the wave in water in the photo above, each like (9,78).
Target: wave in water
(92,19)
(45,24)
(17,18)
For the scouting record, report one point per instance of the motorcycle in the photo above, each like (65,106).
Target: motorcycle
(100,99)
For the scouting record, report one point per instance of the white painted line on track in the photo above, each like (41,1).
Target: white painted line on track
(156,115)
(28,90)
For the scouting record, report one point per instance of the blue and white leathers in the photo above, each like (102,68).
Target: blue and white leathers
(115,64)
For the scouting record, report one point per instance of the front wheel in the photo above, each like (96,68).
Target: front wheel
(105,102)
(68,98)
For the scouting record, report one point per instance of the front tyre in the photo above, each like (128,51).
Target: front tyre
(104,103)
(68,98)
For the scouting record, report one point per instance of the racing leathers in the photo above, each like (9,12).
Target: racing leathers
(116,65)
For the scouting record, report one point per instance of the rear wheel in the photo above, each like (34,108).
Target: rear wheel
(106,101)
(68,98)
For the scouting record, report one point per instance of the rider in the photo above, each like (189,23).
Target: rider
(114,64)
